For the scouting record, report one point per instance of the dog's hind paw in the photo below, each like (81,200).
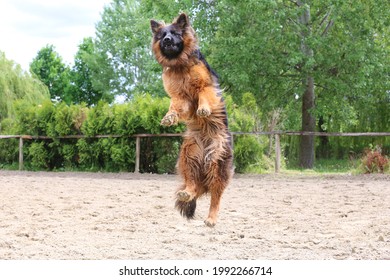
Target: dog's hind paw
(183,196)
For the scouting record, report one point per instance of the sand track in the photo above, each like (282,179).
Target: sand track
(127,216)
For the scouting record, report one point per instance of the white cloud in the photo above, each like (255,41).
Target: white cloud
(28,25)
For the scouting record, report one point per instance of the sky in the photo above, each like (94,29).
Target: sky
(26,26)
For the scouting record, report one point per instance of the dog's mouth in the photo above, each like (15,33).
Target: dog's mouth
(170,49)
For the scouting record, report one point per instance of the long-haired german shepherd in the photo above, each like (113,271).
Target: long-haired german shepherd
(205,160)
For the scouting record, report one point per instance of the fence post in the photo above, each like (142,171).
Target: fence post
(277,153)
(137,153)
(21,153)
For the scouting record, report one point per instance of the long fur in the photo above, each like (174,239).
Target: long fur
(205,160)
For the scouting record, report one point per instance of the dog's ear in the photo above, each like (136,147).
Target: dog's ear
(183,21)
(155,26)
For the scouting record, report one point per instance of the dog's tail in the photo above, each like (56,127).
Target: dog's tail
(186,209)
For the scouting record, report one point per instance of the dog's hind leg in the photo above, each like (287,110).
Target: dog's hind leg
(216,191)
(186,208)
(218,177)
(189,168)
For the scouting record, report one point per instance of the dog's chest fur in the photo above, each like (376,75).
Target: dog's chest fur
(186,82)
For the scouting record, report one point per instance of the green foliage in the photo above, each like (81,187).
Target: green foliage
(50,69)
(249,150)
(140,115)
(326,166)
(263,47)
(88,154)
(244,118)
(85,88)
(166,161)
(9,152)
(249,154)
(17,85)
(69,155)
(68,119)
(123,44)
(49,119)
(38,156)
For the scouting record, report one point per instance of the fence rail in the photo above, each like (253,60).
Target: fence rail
(138,137)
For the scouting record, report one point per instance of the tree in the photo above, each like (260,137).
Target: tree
(16,84)
(306,151)
(85,86)
(50,69)
(321,63)
(322,58)
(123,38)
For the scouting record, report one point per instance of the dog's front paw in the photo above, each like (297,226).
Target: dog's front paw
(210,222)
(170,119)
(203,112)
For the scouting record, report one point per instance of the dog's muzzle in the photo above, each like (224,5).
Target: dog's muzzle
(167,41)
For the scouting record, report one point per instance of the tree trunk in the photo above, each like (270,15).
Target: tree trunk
(306,153)
(323,150)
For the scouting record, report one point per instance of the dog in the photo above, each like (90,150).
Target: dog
(206,159)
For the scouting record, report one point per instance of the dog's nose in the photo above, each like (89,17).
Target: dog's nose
(167,39)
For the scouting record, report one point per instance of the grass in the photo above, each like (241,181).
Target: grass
(322,166)
(336,166)
(14,166)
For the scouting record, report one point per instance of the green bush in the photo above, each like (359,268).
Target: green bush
(100,120)
(69,156)
(69,119)
(142,114)
(27,120)
(249,155)
(86,158)
(38,156)
(9,153)
(249,150)
(122,154)
(167,151)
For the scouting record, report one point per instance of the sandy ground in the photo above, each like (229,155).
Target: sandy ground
(128,216)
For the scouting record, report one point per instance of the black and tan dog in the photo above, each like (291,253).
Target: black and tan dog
(205,160)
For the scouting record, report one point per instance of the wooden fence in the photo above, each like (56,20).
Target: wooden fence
(138,137)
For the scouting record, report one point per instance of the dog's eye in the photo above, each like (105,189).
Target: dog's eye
(176,33)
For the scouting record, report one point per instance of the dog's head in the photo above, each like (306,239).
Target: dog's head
(173,44)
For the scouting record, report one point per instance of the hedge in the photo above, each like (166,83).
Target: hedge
(142,114)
